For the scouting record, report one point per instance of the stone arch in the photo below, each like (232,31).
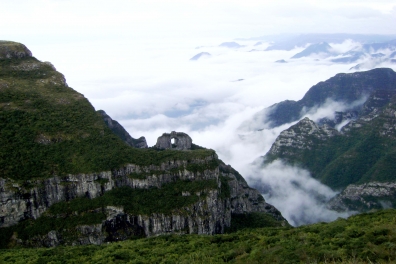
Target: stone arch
(174,140)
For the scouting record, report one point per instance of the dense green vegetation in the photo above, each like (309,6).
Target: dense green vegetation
(47,128)
(365,238)
(360,155)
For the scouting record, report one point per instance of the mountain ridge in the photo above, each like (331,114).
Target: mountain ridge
(357,159)
(68,177)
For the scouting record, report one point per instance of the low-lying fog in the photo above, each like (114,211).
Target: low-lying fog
(152,88)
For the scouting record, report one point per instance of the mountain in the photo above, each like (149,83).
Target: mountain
(289,43)
(322,48)
(345,88)
(349,57)
(232,45)
(375,47)
(122,133)
(69,175)
(357,159)
(201,55)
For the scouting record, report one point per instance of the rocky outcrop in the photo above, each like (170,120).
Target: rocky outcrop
(65,178)
(182,141)
(122,133)
(363,197)
(13,50)
(301,136)
(210,215)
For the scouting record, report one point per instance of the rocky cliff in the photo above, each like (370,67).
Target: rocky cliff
(67,178)
(122,133)
(223,194)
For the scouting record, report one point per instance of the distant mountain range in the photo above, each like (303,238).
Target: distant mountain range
(368,55)
(319,48)
(290,42)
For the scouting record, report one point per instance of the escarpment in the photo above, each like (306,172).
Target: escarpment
(67,175)
(200,196)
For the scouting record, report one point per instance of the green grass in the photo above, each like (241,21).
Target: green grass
(365,238)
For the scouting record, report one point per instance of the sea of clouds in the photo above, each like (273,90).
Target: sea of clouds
(152,87)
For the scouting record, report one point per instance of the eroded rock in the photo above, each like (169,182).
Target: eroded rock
(182,141)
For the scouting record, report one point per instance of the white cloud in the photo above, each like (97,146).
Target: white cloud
(131,59)
(300,198)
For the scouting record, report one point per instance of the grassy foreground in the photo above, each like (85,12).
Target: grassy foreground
(364,238)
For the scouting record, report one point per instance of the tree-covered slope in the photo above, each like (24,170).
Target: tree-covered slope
(47,128)
(67,178)
(363,151)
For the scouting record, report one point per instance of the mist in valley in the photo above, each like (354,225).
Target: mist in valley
(133,60)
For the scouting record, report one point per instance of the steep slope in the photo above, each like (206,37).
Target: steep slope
(346,88)
(66,178)
(357,160)
(122,133)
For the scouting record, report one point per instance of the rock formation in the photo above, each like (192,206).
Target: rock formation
(181,141)
(13,50)
(210,215)
(122,133)
(302,136)
(364,197)
(66,177)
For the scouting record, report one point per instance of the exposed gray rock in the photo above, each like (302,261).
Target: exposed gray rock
(182,141)
(122,133)
(13,50)
(363,197)
(301,136)
(210,215)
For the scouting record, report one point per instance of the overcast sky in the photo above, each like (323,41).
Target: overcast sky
(119,19)
(131,59)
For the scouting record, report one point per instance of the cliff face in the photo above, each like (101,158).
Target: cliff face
(67,176)
(210,214)
(303,136)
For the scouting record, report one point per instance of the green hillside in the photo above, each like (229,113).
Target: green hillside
(363,151)
(70,175)
(365,238)
(47,128)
